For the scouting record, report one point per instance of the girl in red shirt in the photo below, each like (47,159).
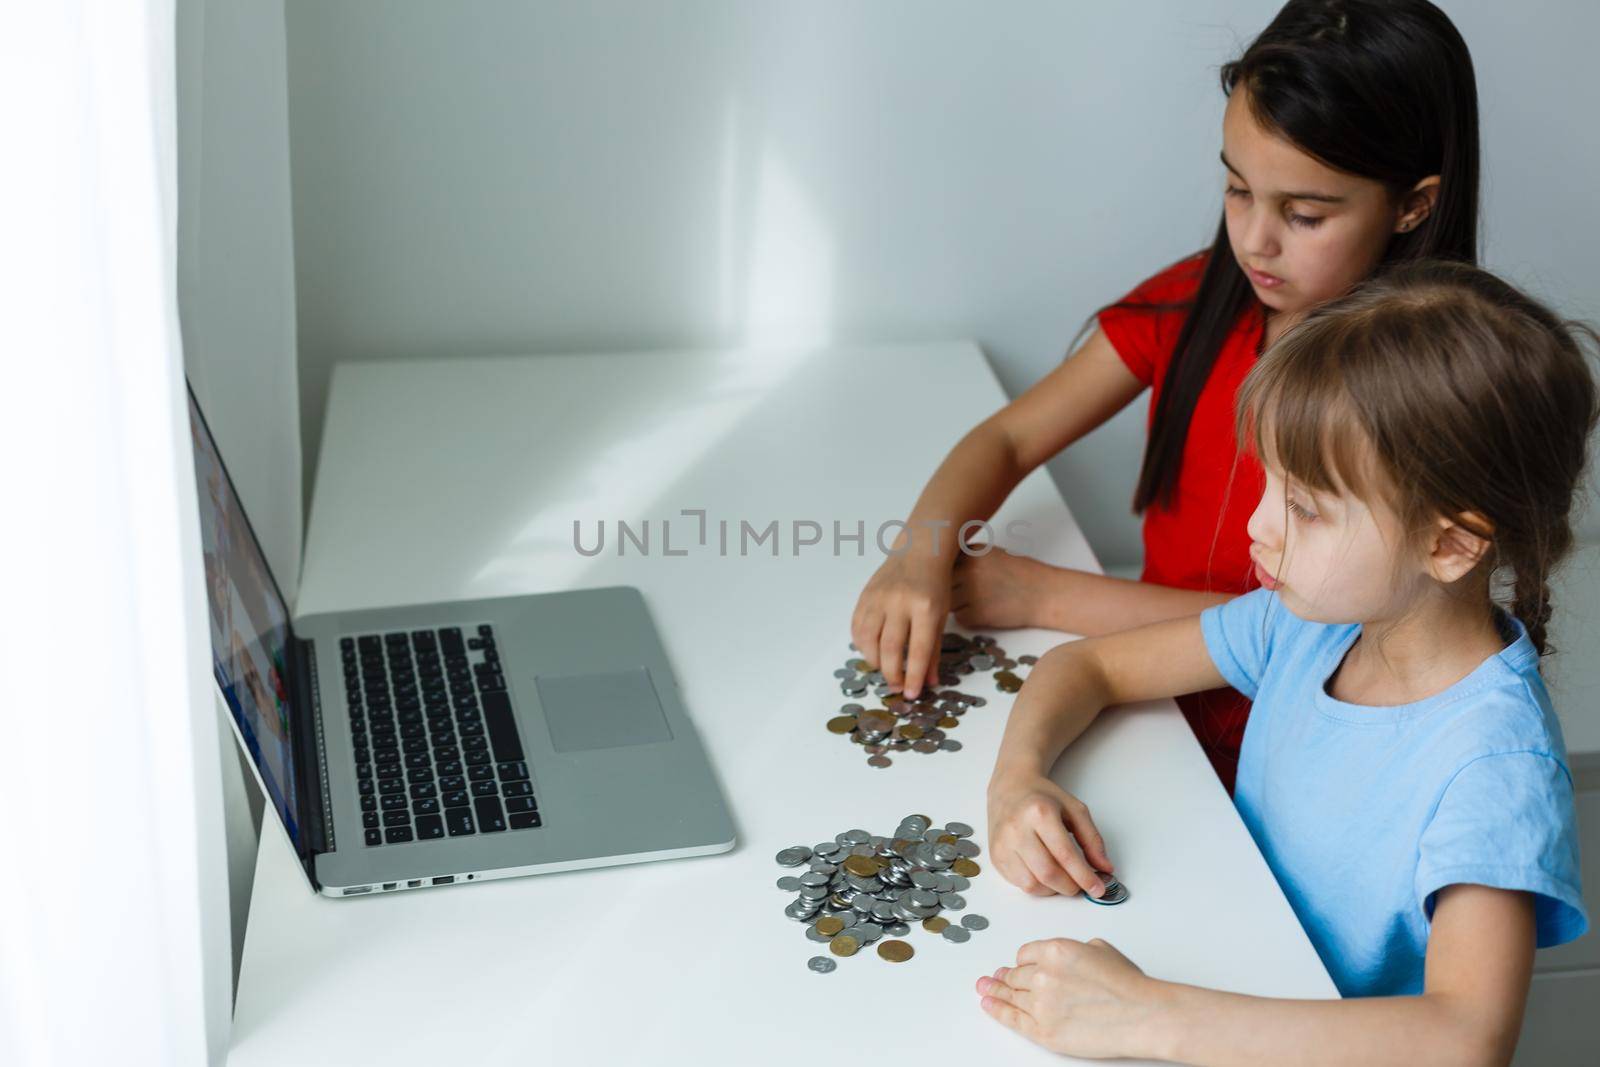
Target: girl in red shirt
(1349,142)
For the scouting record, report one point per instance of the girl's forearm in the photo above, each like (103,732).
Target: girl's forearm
(1079,602)
(1215,1029)
(1063,696)
(971,484)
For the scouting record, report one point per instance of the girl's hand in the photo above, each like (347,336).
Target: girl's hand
(997,590)
(1032,826)
(1075,997)
(900,616)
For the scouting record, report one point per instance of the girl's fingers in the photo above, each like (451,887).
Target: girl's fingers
(1007,1014)
(891,659)
(923,640)
(994,987)
(1043,866)
(1054,835)
(1088,836)
(871,630)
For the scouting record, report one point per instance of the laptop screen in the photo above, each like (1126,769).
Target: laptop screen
(249,628)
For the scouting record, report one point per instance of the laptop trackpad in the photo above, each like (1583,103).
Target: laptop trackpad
(606,710)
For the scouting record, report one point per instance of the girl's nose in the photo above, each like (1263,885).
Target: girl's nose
(1260,234)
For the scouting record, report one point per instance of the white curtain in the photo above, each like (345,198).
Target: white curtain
(113,900)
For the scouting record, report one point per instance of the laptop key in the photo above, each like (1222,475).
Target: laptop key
(374,837)
(480,772)
(390,785)
(502,726)
(394,835)
(512,772)
(459,821)
(365,787)
(393,801)
(518,789)
(369,803)
(477,756)
(490,817)
(523,820)
(426,807)
(422,791)
(399,817)
(369,819)
(521,804)
(429,827)
(456,798)
(483,789)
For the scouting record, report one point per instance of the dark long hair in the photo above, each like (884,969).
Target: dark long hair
(1383,89)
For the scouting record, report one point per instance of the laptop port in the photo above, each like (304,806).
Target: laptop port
(444,879)
(390,885)
(413,883)
(353,890)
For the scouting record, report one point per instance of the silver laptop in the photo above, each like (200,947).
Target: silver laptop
(446,743)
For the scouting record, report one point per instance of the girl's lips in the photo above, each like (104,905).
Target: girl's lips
(1267,581)
(1266,281)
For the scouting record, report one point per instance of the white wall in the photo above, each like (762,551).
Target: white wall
(489,176)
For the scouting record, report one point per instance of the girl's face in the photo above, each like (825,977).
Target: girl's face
(1332,558)
(1302,232)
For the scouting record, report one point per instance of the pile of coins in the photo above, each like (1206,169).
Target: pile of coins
(921,725)
(859,887)
(1115,892)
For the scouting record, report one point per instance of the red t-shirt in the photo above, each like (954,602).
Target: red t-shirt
(1199,542)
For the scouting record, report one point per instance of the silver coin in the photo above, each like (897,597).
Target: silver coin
(897,929)
(924,879)
(821,964)
(793,856)
(813,934)
(982,662)
(950,744)
(813,878)
(974,922)
(959,829)
(788,883)
(952,901)
(958,934)
(854,837)
(1114,894)
(851,709)
(968,849)
(867,932)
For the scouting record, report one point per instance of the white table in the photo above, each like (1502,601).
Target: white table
(462,478)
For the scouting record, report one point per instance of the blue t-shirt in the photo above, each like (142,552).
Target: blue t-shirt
(1365,813)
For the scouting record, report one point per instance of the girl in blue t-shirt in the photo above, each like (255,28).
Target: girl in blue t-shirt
(1402,773)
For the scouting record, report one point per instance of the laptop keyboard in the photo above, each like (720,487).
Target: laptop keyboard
(437,752)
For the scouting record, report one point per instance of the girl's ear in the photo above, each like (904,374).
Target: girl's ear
(1457,546)
(1418,204)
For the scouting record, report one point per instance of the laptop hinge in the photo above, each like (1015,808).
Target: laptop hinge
(313,753)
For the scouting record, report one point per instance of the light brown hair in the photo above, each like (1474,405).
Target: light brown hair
(1468,400)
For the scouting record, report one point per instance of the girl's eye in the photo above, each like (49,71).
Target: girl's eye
(1304,513)
(1235,191)
(1309,222)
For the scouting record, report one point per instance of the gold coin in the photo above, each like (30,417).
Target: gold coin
(1007,681)
(910,731)
(896,951)
(844,945)
(881,862)
(893,698)
(966,868)
(829,925)
(949,722)
(947,839)
(842,725)
(935,923)
(861,866)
